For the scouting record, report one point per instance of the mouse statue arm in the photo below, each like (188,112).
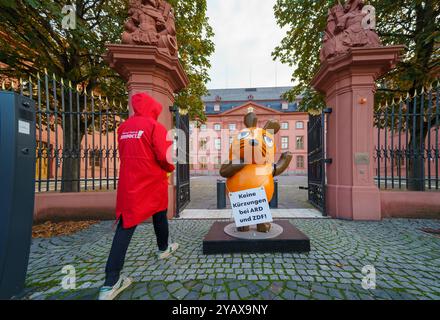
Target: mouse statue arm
(282,164)
(229,169)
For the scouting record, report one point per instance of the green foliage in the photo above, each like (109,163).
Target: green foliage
(413,23)
(32,38)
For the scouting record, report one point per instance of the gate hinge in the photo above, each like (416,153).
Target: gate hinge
(328,161)
(328,110)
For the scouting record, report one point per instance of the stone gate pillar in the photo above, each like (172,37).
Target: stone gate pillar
(147,60)
(348,82)
(352,59)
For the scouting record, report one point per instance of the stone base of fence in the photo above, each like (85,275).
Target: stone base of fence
(81,206)
(74,206)
(407,204)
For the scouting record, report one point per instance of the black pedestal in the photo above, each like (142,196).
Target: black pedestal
(291,240)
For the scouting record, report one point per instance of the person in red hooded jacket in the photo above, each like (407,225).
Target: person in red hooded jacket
(145,155)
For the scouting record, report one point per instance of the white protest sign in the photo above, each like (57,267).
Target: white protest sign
(250,207)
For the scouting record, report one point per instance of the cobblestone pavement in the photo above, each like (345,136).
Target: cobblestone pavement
(407,263)
(204,193)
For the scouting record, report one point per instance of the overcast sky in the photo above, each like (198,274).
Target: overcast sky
(245,35)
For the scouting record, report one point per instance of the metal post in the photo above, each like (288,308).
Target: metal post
(274,202)
(221,194)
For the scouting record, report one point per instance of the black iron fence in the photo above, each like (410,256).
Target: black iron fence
(407,149)
(76,135)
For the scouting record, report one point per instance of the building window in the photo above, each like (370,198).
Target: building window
(203,163)
(284,125)
(95,158)
(217,127)
(285,106)
(218,162)
(232,127)
(217,107)
(284,142)
(300,143)
(300,125)
(203,144)
(218,144)
(300,162)
(203,127)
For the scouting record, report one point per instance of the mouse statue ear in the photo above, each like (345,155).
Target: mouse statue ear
(272,125)
(251,119)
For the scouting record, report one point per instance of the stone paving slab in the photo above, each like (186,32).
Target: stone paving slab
(227,214)
(405,259)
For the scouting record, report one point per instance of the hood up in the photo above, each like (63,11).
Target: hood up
(146,106)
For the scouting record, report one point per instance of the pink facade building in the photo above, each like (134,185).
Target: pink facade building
(225,109)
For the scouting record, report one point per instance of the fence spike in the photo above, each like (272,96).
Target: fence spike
(45,71)
(415,93)
(85,91)
(408,96)
(114,103)
(100,97)
(12,85)
(423,90)
(54,77)
(400,99)
(3,85)
(62,82)
(21,81)
(38,76)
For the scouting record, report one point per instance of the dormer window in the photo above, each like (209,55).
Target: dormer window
(250,97)
(285,105)
(217,107)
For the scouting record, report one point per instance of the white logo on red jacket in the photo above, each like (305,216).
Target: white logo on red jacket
(132,135)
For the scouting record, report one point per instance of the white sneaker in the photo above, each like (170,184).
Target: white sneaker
(168,252)
(110,293)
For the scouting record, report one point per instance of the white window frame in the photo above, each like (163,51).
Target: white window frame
(284,143)
(218,143)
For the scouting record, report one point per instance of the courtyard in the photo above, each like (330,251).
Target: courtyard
(204,193)
(406,261)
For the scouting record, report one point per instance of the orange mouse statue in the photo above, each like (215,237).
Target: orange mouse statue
(251,161)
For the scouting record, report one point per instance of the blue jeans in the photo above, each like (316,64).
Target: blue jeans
(122,240)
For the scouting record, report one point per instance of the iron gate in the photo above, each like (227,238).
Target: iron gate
(183,195)
(317,160)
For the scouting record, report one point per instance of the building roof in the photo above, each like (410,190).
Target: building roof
(242,94)
(228,99)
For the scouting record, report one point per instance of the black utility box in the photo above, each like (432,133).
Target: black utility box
(17,189)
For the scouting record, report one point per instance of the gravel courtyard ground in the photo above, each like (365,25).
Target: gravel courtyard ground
(406,260)
(204,192)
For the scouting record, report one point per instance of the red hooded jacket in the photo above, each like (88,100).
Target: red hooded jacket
(143,149)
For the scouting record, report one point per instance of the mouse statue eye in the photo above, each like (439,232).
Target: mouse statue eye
(269,141)
(243,135)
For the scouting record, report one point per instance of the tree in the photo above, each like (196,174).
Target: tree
(32,38)
(413,23)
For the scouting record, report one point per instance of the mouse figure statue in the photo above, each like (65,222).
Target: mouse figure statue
(251,161)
